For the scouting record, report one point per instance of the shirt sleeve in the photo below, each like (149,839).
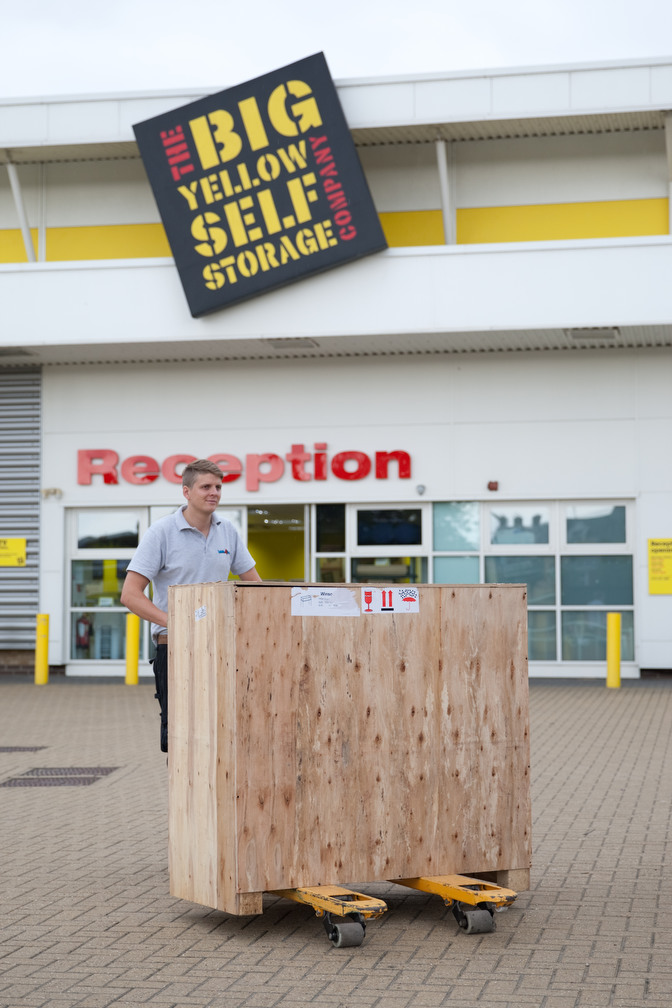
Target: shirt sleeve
(242,558)
(149,557)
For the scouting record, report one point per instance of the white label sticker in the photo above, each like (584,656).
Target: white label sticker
(324,602)
(403,599)
(201,613)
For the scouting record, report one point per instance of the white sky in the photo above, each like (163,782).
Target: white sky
(86,47)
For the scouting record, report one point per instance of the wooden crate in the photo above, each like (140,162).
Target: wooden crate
(330,748)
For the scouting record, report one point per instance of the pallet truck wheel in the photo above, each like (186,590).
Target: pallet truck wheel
(478,922)
(349,934)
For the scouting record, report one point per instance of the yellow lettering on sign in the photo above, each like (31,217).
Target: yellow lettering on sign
(235,221)
(269,211)
(219,144)
(301,196)
(306,113)
(254,126)
(189,194)
(268,256)
(292,109)
(214,238)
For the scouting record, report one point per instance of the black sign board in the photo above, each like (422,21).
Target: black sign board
(259,185)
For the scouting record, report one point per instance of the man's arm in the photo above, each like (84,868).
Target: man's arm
(251,575)
(134,598)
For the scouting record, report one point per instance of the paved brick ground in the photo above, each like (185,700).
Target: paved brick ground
(86,918)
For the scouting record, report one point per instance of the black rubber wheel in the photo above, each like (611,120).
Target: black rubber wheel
(478,922)
(349,934)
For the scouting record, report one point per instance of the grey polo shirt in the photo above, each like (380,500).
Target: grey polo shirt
(172,552)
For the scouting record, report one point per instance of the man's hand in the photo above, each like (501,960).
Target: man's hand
(134,598)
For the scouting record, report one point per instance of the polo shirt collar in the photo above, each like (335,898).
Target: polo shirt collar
(182,522)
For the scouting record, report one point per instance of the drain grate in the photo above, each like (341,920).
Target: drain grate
(59,777)
(71,771)
(48,781)
(21,748)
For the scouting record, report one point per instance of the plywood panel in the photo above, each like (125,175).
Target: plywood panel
(201,739)
(345,748)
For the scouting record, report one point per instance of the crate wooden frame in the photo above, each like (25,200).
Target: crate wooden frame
(308,750)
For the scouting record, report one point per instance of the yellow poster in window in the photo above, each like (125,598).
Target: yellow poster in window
(660,566)
(12,552)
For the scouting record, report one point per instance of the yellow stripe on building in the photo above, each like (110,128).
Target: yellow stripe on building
(12,249)
(112,241)
(555,221)
(413,227)
(538,222)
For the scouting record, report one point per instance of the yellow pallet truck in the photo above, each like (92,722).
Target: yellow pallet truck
(344,912)
(473,902)
(331,901)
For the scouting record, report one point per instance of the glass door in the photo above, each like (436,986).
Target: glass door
(102,542)
(276,538)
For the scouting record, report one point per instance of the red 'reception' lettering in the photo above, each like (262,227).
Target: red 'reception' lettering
(140,469)
(97,463)
(231,467)
(361,462)
(262,467)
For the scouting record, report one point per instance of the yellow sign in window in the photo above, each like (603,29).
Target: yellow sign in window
(12,552)
(660,566)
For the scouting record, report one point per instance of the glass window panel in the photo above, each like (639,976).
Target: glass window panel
(330,528)
(538,573)
(330,569)
(596,580)
(234,515)
(519,524)
(584,636)
(394,570)
(588,523)
(541,636)
(97,582)
(107,529)
(275,538)
(98,635)
(389,527)
(161,510)
(456,570)
(457,525)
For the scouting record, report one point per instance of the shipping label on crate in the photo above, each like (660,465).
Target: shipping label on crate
(308,601)
(403,599)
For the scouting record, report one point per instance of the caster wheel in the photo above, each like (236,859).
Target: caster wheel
(478,922)
(349,934)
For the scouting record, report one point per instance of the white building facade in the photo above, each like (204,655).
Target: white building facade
(487,400)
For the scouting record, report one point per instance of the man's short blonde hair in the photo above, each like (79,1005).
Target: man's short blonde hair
(199,468)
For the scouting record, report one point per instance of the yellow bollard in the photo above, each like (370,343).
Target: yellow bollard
(42,650)
(132,648)
(613,649)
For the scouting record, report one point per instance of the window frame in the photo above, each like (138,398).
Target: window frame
(421,549)
(73,553)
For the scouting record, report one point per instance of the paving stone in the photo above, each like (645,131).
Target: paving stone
(88,919)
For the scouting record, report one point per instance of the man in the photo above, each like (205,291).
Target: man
(190,546)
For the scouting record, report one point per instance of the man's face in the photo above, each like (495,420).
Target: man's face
(205,493)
